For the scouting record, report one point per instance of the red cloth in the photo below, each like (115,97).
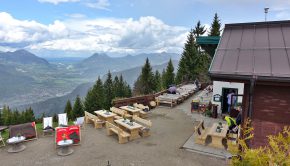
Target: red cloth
(71,132)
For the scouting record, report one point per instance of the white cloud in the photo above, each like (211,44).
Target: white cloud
(99,4)
(23,32)
(147,34)
(55,2)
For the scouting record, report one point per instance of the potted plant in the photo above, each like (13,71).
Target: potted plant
(218,129)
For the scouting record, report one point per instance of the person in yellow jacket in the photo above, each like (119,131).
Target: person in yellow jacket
(231,122)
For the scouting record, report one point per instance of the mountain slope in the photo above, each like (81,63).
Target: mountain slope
(131,75)
(99,64)
(21,57)
(57,104)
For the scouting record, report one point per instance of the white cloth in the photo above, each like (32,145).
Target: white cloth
(62,119)
(47,122)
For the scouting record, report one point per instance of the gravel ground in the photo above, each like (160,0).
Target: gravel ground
(171,128)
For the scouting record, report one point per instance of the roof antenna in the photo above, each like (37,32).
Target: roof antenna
(266,9)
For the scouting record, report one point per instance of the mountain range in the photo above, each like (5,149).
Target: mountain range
(28,80)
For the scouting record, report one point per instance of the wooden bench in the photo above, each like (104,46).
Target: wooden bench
(143,114)
(171,102)
(94,119)
(201,133)
(147,124)
(122,135)
(121,113)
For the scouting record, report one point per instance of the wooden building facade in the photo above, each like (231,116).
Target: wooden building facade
(258,55)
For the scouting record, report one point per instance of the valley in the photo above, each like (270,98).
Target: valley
(46,84)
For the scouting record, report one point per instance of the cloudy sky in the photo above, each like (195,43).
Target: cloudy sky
(56,28)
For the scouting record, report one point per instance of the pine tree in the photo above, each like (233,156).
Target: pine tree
(128,91)
(90,101)
(144,83)
(122,87)
(163,78)
(98,90)
(108,91)
(30,115)
(169,74)
(117,87)
(187,65)
(78,109)
(6,115)
(157,81)
(16,117)
(215,29)
(54,118)
(199,29)
(68,110)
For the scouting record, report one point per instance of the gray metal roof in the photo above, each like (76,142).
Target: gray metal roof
(260,49)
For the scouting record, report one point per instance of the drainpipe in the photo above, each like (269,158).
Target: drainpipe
(250,110)
(251,93)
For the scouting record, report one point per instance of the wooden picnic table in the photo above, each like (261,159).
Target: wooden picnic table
(134,129)
(132,110)
(106,116)
(217,137)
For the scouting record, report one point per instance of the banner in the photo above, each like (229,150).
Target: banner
(71,132)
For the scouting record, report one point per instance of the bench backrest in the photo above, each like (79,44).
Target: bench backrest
(117,111)
(145,122)
(90,116)
(141,106)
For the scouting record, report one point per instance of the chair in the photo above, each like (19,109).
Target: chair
(79,121)
(62,119)
(2,140)
(47,126)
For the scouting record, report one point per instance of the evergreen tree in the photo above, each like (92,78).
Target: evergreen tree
(163,78)
(98,90)
(54,118)
(68,110)
(199,29)
(108,91)
(215,29)
(16,116)
(78,109)
(144,83)
(90,101)
(128,91)
(5,115)
(122,88)
(117,87)
(29,115)
(187,64)
(169,74)
(157,81)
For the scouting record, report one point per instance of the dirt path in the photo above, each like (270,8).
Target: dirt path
(171,128)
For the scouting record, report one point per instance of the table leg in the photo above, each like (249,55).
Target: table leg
(217,142)
(110,119)
(134,134)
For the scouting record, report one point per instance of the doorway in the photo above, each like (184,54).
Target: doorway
(224,102)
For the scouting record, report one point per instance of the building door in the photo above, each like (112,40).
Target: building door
(224,101)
